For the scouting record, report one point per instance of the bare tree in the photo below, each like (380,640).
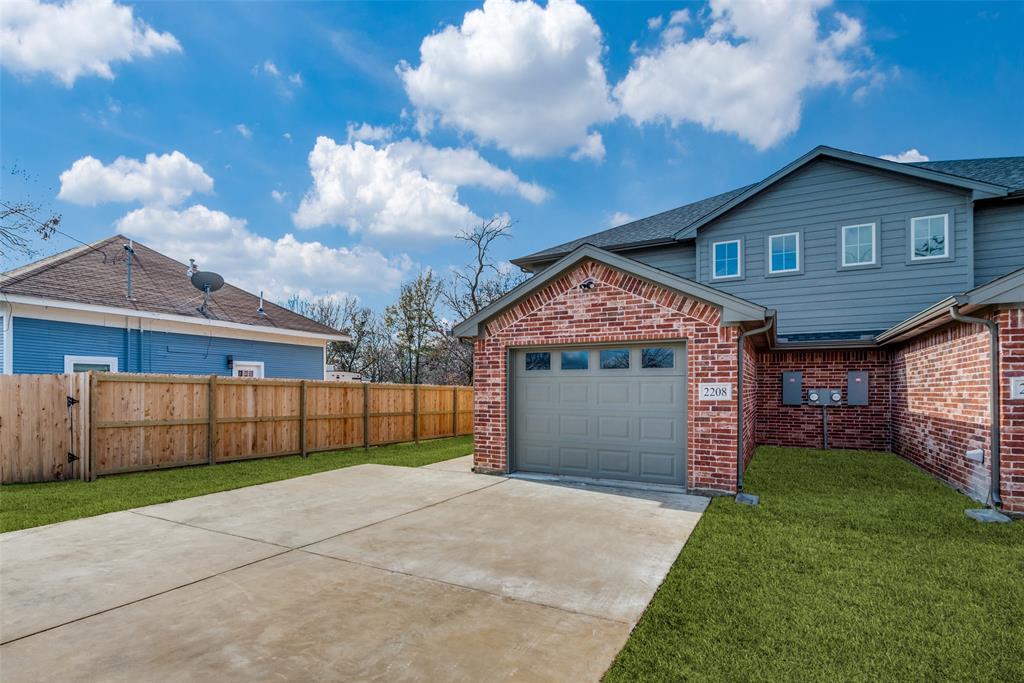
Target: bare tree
(474,287)
(22,219)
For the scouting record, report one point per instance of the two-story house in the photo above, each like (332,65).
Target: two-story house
(834,303)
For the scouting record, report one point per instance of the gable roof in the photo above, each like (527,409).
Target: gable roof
(734,309)
(96,275)
(996,177)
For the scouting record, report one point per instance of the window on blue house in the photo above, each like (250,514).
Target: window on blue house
(784,253)
(726,260)
(929,237)
(858,247)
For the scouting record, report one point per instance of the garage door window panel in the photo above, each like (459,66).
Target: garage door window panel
(615,359)
(575,360)
(538,361)
(657,358)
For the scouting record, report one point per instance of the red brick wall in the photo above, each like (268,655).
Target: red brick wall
(861,427)
(1011,351)
(620,308)
(940,404)
(750,399)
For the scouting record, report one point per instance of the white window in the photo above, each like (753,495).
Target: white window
(247,368)
(726,260)
(90,363)
(929,237)
(784,253)
(859,245)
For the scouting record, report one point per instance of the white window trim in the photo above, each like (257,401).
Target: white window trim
(874,245)
(945,239)
(771,270)
(739,260)
(69,362)
(258,363)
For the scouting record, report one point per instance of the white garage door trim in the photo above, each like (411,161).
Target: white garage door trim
(610,445)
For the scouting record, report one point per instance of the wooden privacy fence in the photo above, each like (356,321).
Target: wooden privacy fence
(130,423)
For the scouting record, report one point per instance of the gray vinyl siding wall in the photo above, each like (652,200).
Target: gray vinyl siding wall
(998,240)
(678,259)
(815,201)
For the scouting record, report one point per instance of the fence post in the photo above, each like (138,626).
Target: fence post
(92,427)
(211,412)
(416,413)
(366,416)
(302,419)
(455,411)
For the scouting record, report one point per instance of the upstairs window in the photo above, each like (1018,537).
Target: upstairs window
(726,261)
(784,253)
(929,237)
(859,245)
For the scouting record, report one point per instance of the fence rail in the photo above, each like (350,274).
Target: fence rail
(131,423)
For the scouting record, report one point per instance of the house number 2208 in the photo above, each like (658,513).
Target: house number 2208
(715,391)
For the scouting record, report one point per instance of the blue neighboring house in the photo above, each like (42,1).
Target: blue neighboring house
(76,311)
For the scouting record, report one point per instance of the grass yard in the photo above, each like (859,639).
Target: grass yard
(856,566)
(28,505)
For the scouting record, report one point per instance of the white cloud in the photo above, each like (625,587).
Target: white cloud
(278,196)
(244,131)
(75,38)
(288,137)
(405,190)
(464,166)
(620,218)
(282,267)
(526,78)
(364,132)
(286,83)
(591,148)
(654,23)
(907,157)
(749,71)
(165,179)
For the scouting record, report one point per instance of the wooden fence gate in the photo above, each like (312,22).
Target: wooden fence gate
(131,423)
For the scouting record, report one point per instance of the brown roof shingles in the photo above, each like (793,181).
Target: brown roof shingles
(98,274)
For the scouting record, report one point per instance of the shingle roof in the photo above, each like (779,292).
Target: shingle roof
(657,228)
(97,274)
(1007,172)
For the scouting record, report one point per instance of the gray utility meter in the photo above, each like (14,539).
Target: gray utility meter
(824,397)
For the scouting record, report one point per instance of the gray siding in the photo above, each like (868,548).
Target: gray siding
(816,200)
(678,259)
(998,240)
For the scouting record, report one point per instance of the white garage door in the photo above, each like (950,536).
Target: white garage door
(615,412)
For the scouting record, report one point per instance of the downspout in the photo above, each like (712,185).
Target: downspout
(739,397)
(993,395)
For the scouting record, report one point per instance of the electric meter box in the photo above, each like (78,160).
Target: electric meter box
(792,388)
(857,388)
(824,397)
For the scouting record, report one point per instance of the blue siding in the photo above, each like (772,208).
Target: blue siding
(40,347)
(815,201)
(678,259)
(998,240)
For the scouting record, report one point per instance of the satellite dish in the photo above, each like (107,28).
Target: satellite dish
(206,281)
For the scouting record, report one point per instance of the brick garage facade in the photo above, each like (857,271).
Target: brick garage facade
(858,427)
(620,308)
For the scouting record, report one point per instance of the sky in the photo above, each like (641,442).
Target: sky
(332,149)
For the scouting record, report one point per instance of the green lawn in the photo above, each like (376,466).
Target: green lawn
(856,566)
(28,505)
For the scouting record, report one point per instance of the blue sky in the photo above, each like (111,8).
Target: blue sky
(567,118)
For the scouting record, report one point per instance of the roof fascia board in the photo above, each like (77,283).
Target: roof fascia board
(525,261)
(980,190)
(1008,289)
(734,309)
(115,310)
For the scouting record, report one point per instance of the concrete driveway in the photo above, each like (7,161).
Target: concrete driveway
(365,573)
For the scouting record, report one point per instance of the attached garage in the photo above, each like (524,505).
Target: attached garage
(594,367)
(603,412)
